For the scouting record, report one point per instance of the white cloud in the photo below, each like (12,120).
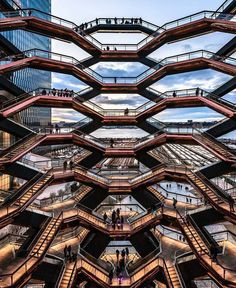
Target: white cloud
(56,80)
(205,79)
(184,114)
(127,66)
(80,11)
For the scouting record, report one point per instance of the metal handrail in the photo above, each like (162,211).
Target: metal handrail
(50,16)
(166,271)
(203,134)
(99,21)
(147,105)
(38,234)
(121,80)
(187,250)
(225,269)
(62,270)
(197,175)
(8,103)
(163,28)
(149,172)
(27,186)
(72,275)
(36,92)
(182,21)
(166,231)
(96,261)
(43,176)
(88,212)
(179,216)
(143,261)
(92,174)
(93,263)
(179,274)
(59,218)
(81,123)
(199,232)
(213,234)
(120,205)
(178,194)
(222,195)
(17,143)
(218,99)
(35,254)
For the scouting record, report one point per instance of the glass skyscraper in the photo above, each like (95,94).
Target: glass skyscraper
(30,79)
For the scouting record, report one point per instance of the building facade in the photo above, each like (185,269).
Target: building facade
(31,79)
(27,79)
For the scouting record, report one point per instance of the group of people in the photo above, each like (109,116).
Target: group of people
(59,92)
(198,92)
(57,129)
(65,164)
(131,21)
(179,186)
(189,200)
(107,48)
(116,219)
(121,258)
(84,26)
(69,150)
(69,255)
(120,21)
(181,238)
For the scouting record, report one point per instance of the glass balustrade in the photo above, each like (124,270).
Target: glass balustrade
(156,123)
(94,107)
(144,107)
(156,30)
(171,25)
(82,122)
(89,174)
(184,197)
(40,14)
(224,6)
(150,173)
(13,4)
(118,112)
(121,21)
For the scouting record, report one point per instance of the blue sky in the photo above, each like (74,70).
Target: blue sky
(158,12)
